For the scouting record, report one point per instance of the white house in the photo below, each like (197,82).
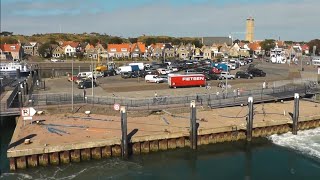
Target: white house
(68,50)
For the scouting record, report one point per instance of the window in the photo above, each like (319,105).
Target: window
(123,49)
(113,50)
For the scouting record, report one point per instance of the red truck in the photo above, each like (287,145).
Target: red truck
(180,80)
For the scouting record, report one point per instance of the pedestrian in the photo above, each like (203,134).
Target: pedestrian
(155,94)
(264,85)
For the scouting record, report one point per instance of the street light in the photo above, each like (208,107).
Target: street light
(72,78)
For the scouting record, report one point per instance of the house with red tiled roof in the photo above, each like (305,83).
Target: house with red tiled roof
(138,50)
(119,50)
(156,50)
(70,47)
(305,49)
(255,47)
(14,50)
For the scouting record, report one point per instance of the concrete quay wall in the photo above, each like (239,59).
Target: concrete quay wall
(69,153)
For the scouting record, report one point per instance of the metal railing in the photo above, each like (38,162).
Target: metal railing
(223,99)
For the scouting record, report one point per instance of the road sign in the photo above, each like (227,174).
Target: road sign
(28,112)
(116,107)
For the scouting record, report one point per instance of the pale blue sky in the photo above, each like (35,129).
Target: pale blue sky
(287,19)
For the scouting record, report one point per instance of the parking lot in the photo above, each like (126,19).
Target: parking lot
(137,87)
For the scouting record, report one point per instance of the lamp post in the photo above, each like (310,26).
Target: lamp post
(72,83)
(227,82)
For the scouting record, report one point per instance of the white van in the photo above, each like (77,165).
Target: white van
(153,78)
(316,61)
(125,69)
(84,74)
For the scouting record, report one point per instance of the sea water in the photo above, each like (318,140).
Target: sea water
(277,157)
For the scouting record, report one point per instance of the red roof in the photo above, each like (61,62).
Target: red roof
(71,43)
(140,45)
(254,46)
(305,47)
(157,45)
(118,47)
(10,47)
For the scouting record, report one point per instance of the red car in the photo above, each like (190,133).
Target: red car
(216,70)
(72,78)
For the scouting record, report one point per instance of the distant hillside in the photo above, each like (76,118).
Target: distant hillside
(42,38)
(94,38)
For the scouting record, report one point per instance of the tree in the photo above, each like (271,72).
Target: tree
(197,43)
(45,50)
(115,40)
(133,40)
(268,44)
(8,40)
(315,42)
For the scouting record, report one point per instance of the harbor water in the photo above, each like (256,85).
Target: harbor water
(276,157)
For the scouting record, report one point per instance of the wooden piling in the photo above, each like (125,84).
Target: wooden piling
(85,154)
(13,164)
(43,159)
(154,146)
(124,138)
(21,162)
(96,153)
(250,119)
(65,157)
(295,114)
(106,152)
(193,128)
(75,155)
(54,158)
(32,160)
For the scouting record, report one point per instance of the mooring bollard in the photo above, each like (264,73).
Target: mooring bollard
(250,119)
(193,127)
(124,140)
(295,114)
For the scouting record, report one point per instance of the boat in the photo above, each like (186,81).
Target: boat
(10,69)
(277,55)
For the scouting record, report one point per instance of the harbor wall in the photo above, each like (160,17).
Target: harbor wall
(65,154)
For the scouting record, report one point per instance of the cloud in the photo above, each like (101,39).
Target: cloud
(294,21)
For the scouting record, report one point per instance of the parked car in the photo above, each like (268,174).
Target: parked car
(163,71)
(211,76)
(153,78)
(96,75)
(251,66)
(126,75)
(226,75)
(134,74)
(86,84)
(110,72)
(242,74)
(257,72)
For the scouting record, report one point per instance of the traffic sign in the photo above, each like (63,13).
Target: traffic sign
(116,107)
(28,112)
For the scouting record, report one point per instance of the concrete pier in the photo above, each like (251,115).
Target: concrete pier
(99,136)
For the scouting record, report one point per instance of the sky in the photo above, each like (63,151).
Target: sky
(296,20)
